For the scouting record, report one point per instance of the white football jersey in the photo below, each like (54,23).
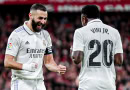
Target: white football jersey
(28,47)
(100,43)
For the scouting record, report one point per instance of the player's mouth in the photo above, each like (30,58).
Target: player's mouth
(39,26)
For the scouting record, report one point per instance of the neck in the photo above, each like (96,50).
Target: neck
(29,25)
(90,19)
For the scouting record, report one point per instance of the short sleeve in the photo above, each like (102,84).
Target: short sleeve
(49,44)
(78,44)
(12,44)
(118,45)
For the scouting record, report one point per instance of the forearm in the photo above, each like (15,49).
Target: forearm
(118,59)
(77,56)
(50,63)
(52,67)
(13,65)
(9,62)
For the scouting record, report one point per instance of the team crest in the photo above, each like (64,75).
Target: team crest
(44,42)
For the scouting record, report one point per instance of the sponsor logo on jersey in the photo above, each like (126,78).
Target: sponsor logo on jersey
(9,46)
(27,43)
(35,53)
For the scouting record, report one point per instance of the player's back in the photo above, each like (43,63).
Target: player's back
(97,71)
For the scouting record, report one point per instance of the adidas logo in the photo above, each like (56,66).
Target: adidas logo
(27,43)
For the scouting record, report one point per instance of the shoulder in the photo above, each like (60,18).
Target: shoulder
(18,32)
(19,29)
(45,33)
(81,30)
(78,32)
(112,29)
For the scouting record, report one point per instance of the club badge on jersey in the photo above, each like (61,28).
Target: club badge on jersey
(44,42)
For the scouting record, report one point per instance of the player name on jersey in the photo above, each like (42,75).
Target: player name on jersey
(100,30)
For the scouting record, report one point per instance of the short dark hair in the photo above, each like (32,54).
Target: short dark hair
(38,6)
(91,11)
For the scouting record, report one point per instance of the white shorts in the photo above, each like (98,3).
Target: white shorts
(25,84)
(93,84)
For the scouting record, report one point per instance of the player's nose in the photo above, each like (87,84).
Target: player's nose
(43,21)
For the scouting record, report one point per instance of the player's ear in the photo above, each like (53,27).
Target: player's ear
(30,16)
(84,20)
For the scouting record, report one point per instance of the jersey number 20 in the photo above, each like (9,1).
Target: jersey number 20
(107,45)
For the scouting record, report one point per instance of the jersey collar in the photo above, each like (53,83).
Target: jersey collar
(27,29)
(94,20)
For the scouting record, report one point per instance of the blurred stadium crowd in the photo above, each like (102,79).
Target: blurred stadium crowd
(61,27)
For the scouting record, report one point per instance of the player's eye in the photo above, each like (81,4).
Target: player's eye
(45,18)
(40,18)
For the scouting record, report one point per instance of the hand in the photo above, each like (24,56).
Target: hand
(62,69)
(30,67)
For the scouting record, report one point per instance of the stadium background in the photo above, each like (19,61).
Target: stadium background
(64,18)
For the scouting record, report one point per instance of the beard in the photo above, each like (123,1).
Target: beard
(37,26)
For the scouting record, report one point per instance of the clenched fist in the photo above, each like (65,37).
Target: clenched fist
(62,69)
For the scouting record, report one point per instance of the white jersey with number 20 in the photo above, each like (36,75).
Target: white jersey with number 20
(100,43)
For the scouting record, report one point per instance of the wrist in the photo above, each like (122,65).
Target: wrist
(30,67)
(25,67)
(58,69)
